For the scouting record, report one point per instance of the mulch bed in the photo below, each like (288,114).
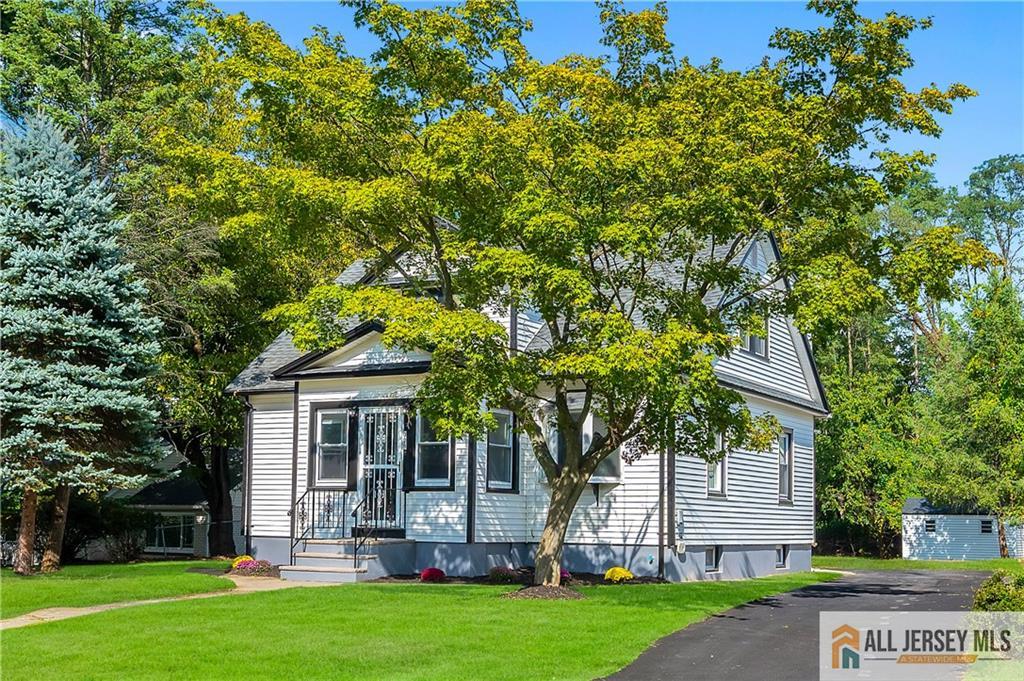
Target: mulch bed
(548,593)
(524,577)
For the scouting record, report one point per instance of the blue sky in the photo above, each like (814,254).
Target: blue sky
(980,44)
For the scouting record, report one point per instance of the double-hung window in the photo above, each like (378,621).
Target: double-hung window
(433,456)
(332,447)
(786,466)
(716,470)
(501,452)
(755,344)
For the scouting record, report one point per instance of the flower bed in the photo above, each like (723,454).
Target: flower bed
(251,567)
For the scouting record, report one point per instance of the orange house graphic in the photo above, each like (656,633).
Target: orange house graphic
(846,648)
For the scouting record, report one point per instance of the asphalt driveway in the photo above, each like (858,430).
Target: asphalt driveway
(777,638)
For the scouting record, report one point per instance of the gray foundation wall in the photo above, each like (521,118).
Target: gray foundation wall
(468,560)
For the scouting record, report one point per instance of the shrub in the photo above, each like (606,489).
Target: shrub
(1000,592)
(432,574)
(617,575)
(241,558)
(252,568)
(500,574)
(565,575)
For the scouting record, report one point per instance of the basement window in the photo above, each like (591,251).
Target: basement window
(781,555)
(713,559)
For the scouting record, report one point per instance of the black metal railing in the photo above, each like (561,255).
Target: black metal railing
(368,523)
(320,514)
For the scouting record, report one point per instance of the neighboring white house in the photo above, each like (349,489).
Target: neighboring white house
(333,451)
(934,533)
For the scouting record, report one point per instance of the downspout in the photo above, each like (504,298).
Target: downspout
(661,515)
(295,471)
(247,458)
(670,506)
(471,491)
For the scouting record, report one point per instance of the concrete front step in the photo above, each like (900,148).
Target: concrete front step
(315,573)
(330,559)
(345,547)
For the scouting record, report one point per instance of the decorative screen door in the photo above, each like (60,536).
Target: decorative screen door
(381,447)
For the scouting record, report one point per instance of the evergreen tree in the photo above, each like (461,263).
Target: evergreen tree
(77,344)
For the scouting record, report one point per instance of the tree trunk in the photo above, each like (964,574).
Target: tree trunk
(212,470)
(218,497)
(23,558)
(1004,548)
(565,492)
(55,542)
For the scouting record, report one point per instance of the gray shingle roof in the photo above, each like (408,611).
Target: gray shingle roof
(258,376)
(921,506)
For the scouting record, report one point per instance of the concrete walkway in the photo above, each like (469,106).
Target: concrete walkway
(777,637)
(243,585)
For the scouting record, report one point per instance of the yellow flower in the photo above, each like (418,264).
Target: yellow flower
(238,560)
(616,575)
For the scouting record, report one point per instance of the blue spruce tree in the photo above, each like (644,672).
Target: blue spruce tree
(77,346)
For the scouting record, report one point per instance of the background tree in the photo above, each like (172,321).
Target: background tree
(871,454)
(611,195)
(131,79)
(92,66)
(976,404)
(993,210)
(78,346)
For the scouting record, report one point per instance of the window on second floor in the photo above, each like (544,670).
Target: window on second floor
(755,344)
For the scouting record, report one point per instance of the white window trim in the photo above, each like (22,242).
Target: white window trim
(318,479)
(501,484)
(430,482)
(784,565)
(720,490)
(717,562)
(745,341)
(790,465)
(156,548)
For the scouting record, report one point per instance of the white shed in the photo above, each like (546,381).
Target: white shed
(936,533)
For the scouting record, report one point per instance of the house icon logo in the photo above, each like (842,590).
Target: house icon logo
(845,648)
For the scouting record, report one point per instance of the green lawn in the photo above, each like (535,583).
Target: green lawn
(78,585)
(857,563)
(376,631)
